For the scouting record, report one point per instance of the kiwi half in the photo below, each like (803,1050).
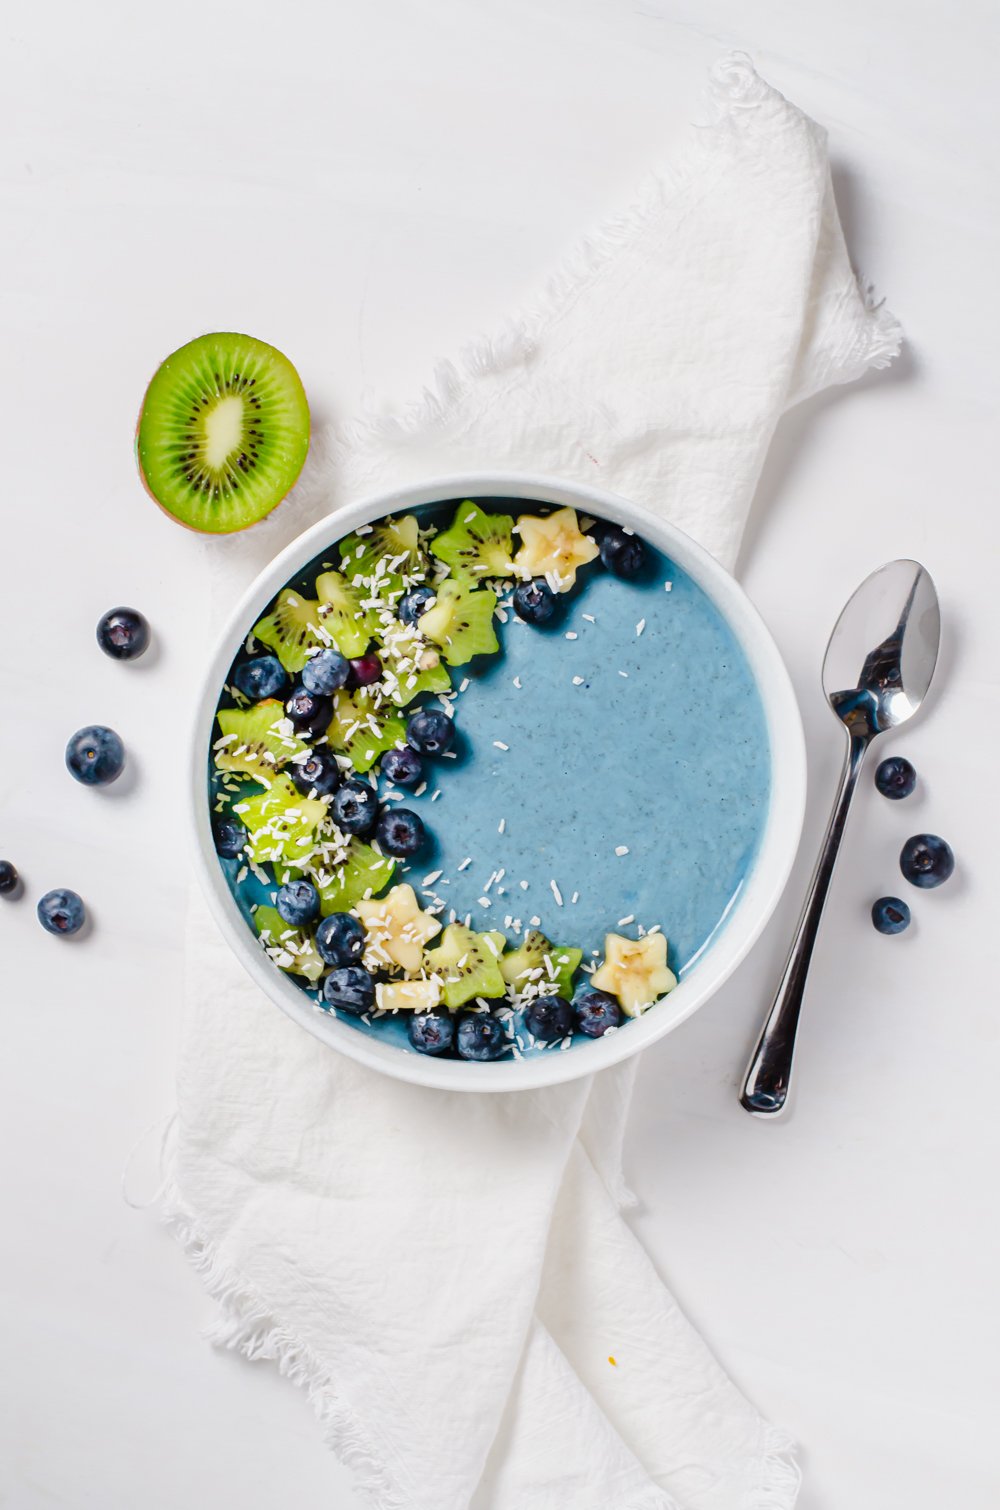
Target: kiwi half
(223,432)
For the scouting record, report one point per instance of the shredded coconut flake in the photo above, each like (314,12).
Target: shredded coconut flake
(621,849)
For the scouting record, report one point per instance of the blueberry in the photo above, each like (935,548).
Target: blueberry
(123,634)
(430,732)
(318,772)
(534,601)
(309,713)
(340,939)
(926,860)
(890,915)
(431,1032)
(596,1012)
(229,837)
(365,669)
(895,777)
(262,677)
(350,988)
(400,832)
(480,1036)
(298,903)
(61,912)
(402,767)
(355,807)
(621,552)
(8,878)
(95,755)
(415,602)
(548,1018)
(326,672)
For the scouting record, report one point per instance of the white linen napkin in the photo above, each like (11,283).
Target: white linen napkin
(449,1276)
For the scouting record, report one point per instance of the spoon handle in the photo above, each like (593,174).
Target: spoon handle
(766,1086)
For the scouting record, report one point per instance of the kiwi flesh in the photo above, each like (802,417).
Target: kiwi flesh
(557,965)
(361,730)
(223,432)
(251,743)
(292,629)
(468,964)
(390,551)
(292,949)
(460,621)
(342,615)
(364,873)
(476,544)
(277,820)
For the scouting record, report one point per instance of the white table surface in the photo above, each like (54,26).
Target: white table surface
(368,185)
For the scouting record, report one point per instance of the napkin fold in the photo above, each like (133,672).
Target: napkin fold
(450,1276)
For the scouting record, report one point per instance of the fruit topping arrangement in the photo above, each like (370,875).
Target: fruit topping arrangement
(340,703)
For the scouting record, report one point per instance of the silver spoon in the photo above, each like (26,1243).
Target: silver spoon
(895,610)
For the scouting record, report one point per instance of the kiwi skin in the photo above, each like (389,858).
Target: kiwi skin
(193,528)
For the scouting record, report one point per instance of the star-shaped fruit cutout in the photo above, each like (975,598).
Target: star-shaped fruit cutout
(635,970)
(397,929)
(407,995)
(553,548)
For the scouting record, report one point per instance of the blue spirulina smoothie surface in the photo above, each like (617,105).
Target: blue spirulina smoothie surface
(660,750)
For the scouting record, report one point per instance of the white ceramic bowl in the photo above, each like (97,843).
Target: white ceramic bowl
(756,901)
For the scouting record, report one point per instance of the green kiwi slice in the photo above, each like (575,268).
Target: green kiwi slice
(292,949)
(556,963)
(292,629)
(384,554)
(460,621)
(280,822)
(364,873)
(468,964)
(251,743)
(342,615)
(223,432)
(363,730)
(476,544)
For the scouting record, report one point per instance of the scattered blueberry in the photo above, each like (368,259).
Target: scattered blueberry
(402,767)
(308,712)
(340,939)
(430,732)
(229,837)
(262,677)
(61,912)
(895,777)
(415,602)
(400,832)
(123,633)
(480,1036)
(365,669)
(326,672)
(548,1018)
(318,772)
(622,552)
(890,915)
(350,988)
(596,1012)
(8,878)
(298,903)
(431,1032)
(355,807)
(534,601)
(926,860)
(95,755)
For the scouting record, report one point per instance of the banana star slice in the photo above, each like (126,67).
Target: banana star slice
(553,548)
(407,995)
(635,971)
(397,929)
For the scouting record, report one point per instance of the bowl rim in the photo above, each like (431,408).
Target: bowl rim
(743,921)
